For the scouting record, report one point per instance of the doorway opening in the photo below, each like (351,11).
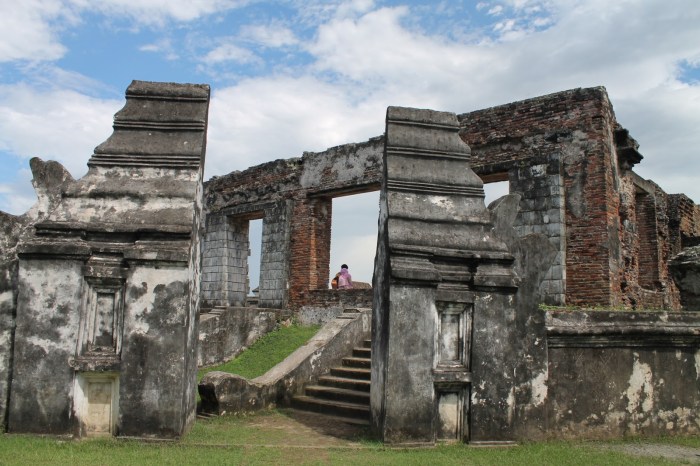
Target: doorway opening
(255,228)
(354,235)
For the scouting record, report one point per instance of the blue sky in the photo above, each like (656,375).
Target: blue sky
(293,76)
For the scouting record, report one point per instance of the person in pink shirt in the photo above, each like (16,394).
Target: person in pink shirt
(344,278)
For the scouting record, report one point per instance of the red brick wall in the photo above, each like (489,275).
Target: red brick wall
(607,262)
(308,186)
(577,126)
(310,247)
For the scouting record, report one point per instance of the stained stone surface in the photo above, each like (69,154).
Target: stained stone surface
(108,280)
(442,287)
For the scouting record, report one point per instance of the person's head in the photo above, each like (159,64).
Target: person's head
(344,266)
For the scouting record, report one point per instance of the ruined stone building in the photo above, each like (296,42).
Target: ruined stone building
(104,280)
(572,162)
(100,285)
(564,153)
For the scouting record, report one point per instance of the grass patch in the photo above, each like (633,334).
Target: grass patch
(268,438)
(266,352)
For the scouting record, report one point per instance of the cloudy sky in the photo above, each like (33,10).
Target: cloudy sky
(296,75)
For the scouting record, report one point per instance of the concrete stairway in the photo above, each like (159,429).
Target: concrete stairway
(344,393)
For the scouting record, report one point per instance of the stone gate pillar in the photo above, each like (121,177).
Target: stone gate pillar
(108,283)
(442,344)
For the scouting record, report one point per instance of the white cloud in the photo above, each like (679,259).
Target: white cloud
(496,10)
(364,58)
(158,12)
(354,234)
(31,29)
(62,125)
(664,121)
(162,46)
(279,117)
(378,54)
(273,35)
(18,197)
(28,30)
(229,52)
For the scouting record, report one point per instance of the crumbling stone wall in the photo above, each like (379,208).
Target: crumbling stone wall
(443,313)
(615,374)
(49,179)
(108,280)
(571,162)
(564,154)
(684,222)
(294,199)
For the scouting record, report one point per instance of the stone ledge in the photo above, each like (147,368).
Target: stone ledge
(622,328)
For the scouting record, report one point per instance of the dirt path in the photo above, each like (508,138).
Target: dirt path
(299,430)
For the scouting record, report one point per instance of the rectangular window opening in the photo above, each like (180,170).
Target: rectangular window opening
(354,236)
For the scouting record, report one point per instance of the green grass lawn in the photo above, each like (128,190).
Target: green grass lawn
(255,440)
(266,352)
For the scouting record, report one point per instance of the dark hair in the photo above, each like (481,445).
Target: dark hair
(344,266)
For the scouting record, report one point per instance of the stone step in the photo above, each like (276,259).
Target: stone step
(362,352)
(352,372)
(344,382)
(357,362)
(337,394)
(331,407)
(367,343)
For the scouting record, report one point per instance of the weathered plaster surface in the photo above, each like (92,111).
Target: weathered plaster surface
(623,373)
(443,308)
(49,179)
(45,342)
(106,277)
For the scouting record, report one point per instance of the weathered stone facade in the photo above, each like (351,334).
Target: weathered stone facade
(50,178)
(564,154)
(580,228)
(100,286)
(618,374)
(571,162)
(108,280)
(294,198)
(443,314)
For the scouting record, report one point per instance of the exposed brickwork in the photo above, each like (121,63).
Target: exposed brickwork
(570,144)
(684,222)
(564,153)
(295,200)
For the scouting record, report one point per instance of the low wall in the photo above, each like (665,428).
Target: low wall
(224,333)
(615,374)
(322,306)
(224,393)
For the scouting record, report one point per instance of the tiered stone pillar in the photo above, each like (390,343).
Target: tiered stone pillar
(107,310)
(442,326)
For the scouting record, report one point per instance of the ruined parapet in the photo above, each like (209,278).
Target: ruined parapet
(108,283)
(442,346)
(294,200)
(685,269)
(572,163)
(619,374)
(49,180)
